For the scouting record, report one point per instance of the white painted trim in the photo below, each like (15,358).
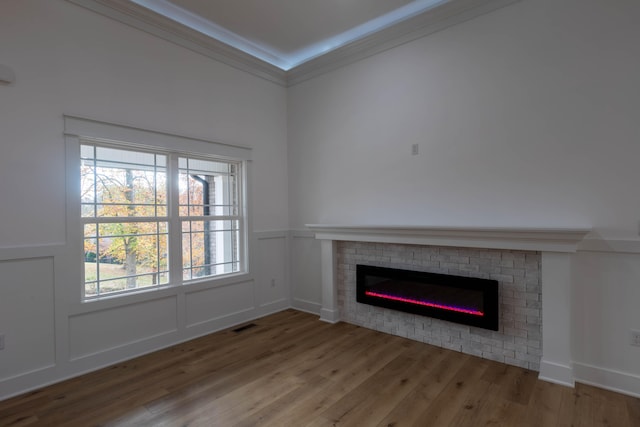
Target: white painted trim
(631,246)
(122,300)
(302,234)
(124,345)
(556,373)
(329,263)
(29,381)
(218,318)
(81,127)
(274,306)
(278,302)
(555,365)
(29,252)
(447,14)
(515,238)
(217,282)
(608,379)
(329,316)
(155,24)
(271,234)
(306,306)
(33,371)
(152,294)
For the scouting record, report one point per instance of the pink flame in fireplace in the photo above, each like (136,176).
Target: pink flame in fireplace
(425,303)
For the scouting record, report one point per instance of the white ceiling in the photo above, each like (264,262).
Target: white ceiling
(287,33)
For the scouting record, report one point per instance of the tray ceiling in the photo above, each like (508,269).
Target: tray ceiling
(287,33)
(288,41)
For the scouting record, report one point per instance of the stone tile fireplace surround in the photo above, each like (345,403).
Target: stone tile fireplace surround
(532,266)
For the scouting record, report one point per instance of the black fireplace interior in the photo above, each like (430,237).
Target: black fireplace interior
(465,300)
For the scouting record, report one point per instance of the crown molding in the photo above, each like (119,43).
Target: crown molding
(433,20)
(449,13)
(153,23)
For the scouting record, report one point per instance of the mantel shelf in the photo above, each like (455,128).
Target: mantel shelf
(547,239)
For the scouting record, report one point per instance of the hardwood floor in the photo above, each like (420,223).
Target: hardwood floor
(292,370)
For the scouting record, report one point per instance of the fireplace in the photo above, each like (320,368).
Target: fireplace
(464,300)
(531,264)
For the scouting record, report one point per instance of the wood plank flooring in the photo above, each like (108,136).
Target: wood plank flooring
(290,369)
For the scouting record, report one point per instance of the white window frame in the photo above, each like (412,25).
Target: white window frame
(80,131)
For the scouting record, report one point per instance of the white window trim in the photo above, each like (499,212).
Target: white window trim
(78,129)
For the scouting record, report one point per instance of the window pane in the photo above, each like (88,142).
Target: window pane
(87,152)
(127,255)
(208,188)
(90,230)
(114,156)
(186,253)
(123,183)
(207,167)
(90,265)
(210,248)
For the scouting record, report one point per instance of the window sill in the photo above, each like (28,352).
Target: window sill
(149,294)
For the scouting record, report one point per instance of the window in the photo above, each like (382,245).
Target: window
(129,209)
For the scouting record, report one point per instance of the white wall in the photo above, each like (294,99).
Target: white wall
(524,116)
(527,116)
(68,60)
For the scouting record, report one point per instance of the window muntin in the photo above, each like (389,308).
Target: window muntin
(125,196)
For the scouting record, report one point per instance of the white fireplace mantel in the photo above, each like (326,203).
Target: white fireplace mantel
(515,238)
(555,245)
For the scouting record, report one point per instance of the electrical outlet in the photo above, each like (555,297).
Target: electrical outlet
(414,150)
(1,341)
(635,338)
(273,283)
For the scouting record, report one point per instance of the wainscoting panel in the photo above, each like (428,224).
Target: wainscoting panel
(272,287)
(306,283)
(217,303)
(98,331)
(605,299)
(26,316)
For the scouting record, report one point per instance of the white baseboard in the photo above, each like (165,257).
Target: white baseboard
(329,316)
(273,307)
(306,306)
(556,373)
(608,379)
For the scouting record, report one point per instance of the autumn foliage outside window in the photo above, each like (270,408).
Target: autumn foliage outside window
(125,198)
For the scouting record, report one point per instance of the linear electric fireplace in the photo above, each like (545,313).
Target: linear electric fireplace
(465,300)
